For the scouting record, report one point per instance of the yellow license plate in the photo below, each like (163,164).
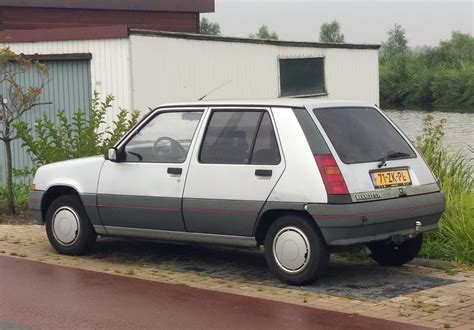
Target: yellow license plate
(391,178)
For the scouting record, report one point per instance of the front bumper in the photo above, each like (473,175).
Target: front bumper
(347,224)
(34,204)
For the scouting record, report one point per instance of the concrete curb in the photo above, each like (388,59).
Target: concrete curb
(432,263)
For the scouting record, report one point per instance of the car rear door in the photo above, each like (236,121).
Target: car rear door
(376,159)
(144,188)
(233,170)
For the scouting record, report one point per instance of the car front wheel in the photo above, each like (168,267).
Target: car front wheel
(295,250)
(68,227)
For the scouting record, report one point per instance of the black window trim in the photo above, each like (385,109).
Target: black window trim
(262,110)
(149,117)
(312,134)
(397,129)
(325,90)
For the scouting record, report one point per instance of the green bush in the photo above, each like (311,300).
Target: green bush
(48,142)
(21,190)
(453,87)
(440,77)
(454,240)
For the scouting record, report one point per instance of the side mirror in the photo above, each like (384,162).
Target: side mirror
(111,154)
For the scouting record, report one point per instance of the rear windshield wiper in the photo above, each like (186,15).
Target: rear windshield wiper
(391,155)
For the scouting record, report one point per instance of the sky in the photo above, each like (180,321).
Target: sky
(425,22)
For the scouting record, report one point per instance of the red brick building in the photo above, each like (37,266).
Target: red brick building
(159,15)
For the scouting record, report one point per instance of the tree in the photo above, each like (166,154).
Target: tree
(15,103)
(264,33)
(209,28)
(331,32)
(457,52)
(397,42)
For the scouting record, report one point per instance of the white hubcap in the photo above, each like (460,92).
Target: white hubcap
(66,226)
(291,249)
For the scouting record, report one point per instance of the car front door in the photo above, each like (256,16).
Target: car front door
(232,172)
(144,188)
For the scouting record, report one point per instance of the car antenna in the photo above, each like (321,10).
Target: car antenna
(212,91)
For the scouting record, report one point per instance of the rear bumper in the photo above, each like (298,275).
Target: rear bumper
(347,224)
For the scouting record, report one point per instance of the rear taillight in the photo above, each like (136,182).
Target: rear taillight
(332,177)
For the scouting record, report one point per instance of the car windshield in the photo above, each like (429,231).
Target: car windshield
(362,135)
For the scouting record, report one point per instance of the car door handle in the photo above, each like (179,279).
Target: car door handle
(266,173)
(175,170)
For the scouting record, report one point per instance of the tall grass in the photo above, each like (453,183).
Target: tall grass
(454,240)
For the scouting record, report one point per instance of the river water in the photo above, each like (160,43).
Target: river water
(458,130)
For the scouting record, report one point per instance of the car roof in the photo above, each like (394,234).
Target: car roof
(309,103)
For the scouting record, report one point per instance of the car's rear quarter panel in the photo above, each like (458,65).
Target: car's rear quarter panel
(301,182)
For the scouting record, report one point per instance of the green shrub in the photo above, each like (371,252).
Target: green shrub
(441,76)
(48,142)
(454,240)
(21,191)
(454,87)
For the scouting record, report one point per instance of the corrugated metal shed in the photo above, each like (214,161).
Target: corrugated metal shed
(171,67)
(110,64)
(68,90)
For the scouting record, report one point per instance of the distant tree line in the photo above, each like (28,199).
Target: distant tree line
(209,28)
(424,77)
(441,76)
(264,33)
(331,32)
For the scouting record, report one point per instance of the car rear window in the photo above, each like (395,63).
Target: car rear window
(361,135)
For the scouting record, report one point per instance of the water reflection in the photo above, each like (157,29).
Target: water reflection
(459,129)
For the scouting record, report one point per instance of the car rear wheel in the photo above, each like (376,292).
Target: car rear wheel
(68,227)
(295,250)
(390,254)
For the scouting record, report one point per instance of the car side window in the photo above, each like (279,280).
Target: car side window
(239,137)
(229,137)
(164,139)
(266,150)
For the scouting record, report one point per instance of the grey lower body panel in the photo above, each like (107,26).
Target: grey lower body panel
(224,217)
(34,204)
(348,224)
(141,212)
(179,236)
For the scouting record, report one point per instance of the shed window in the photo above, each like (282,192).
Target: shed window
(302,76)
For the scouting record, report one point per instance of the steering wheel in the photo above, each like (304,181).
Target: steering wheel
(174,147)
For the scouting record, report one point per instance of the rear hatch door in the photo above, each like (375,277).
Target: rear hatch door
(376,159)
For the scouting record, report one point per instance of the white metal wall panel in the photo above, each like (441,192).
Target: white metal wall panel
(110,64)
(169,69)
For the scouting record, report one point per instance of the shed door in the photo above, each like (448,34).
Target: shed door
(69,89)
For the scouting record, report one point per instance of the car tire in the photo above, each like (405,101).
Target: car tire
(390,254)
(68,227)
(295,250)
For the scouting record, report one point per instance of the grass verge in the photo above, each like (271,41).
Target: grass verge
(454,240)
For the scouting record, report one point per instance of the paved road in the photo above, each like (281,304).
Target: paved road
(34,294)
(345,278)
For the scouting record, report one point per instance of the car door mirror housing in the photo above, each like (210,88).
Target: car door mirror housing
(112,155)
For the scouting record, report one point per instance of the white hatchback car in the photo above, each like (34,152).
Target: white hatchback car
(300,177)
